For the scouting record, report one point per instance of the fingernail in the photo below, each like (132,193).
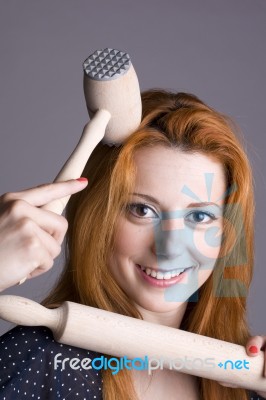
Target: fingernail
(253,349)
(82,179)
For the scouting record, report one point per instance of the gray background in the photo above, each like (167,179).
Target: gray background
(215,49)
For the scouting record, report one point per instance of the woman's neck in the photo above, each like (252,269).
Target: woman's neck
(172,318)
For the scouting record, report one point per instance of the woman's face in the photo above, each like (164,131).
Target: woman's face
(168,229)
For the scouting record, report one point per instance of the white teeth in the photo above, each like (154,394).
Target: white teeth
(162,275)
(159,275)
(168,275)
(148,271)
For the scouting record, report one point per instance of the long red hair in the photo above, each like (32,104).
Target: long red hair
(172,120)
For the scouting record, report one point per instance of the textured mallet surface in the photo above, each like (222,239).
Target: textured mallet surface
(106,64)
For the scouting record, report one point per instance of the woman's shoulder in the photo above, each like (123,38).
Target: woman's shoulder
(22,337)
(33,363)
(27,342)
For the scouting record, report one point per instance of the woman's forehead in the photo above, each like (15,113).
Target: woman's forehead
(161,159)
(171,171)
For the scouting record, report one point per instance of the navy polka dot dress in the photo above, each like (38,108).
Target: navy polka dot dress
(27,368)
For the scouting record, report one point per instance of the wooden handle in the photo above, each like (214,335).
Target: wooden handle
(22,311)
(92,134)
(82,326)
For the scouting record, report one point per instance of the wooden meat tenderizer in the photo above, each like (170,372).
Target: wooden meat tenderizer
(110,83)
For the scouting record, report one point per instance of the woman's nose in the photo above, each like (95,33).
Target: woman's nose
(170,238)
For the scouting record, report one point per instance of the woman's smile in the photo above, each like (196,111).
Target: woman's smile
(163,279)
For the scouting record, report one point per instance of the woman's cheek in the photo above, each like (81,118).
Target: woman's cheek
(207,243)
(131,238)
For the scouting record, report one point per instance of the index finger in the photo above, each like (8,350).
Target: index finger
(42,194)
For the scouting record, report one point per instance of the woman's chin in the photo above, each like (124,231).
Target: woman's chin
(158,305)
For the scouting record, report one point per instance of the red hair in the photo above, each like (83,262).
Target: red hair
(172,120)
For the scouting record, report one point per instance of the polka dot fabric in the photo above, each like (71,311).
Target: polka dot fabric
(27,368)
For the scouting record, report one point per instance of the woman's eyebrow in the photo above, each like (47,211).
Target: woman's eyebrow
(147,197)
(204,204)
(191,205)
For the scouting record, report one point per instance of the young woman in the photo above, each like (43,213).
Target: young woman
(162,232)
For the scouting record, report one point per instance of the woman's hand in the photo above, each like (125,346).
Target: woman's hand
(31,226)
(30,236)
(253,347)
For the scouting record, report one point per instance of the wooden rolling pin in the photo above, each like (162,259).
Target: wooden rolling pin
(117,335)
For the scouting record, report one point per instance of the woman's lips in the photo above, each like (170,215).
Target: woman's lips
(163,283)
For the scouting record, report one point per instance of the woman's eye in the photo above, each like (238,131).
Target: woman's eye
(141,210)
(198,217)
